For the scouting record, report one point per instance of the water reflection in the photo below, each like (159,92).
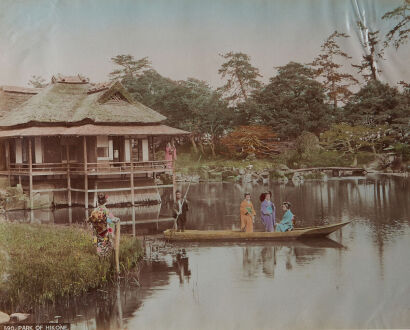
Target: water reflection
(357,278)
(181,265)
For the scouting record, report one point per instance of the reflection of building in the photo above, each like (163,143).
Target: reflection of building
(82,138)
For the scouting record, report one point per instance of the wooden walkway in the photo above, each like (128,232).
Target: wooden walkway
(331,168)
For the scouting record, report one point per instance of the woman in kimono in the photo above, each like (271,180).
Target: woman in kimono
(247,214)
(267,211)
(170,154)
(287,221)
(103,223)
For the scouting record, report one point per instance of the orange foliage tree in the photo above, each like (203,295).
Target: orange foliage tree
(248,140)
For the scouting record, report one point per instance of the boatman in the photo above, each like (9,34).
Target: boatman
(179,211)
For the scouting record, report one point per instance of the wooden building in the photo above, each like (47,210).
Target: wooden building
(72,139)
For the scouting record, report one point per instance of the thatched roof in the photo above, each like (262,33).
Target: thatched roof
(13,96)
(77,101)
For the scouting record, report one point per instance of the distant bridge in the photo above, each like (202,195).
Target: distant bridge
(336,171)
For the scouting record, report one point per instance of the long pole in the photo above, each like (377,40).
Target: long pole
(184,199)
(117,247)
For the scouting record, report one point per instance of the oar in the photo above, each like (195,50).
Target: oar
(184,199)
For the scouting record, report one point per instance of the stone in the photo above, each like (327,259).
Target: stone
(18,317)
(251,156)
(241,171)
(283,179)
(4,318)
(227,173)
(41,201)
(264,174)
(15,203)
(204,175)
(246,178)
(194,178)
(231,179)
(215,176)
(283,167)
(178,177)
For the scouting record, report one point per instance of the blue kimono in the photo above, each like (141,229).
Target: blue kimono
(286,223)
(268,214)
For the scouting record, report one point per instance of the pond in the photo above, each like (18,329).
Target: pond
(356,278)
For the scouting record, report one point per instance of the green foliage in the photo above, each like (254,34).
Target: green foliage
(293,102)
(351,139)
(37,82)
(403,150)
(377,104)
(307,143)
(373,53)
(42,263)
(129,67)
(399,34)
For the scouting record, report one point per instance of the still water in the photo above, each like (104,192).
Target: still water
(357,278)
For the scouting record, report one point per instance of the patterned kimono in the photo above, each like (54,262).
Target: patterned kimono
(286,222)
(268,214)
(103,223)
(247,213)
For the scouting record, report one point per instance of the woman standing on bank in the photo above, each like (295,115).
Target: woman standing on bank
(247,214)
(103,222)
(267,211)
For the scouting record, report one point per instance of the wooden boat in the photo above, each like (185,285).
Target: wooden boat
(229,235)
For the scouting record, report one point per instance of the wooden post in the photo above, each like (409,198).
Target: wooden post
(30,164)
(85,173)
(117,247)
(153,147)
(8,161)
(132,175)
(173,181)
(68,176)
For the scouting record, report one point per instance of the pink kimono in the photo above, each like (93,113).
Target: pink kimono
(170,155)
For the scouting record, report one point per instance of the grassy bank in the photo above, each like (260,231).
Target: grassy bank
(41,263)
(188,162)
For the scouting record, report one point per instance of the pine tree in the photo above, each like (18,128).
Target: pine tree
(373,51)
(399,34)
(293,102)
(241,77)
(129,67)
(336,84)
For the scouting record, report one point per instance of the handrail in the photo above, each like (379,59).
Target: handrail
(93,167)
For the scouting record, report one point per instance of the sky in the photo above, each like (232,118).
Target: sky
(182,38)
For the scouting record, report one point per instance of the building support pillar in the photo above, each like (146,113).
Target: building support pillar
(85,173)
(68,176)
(8,161)
(30,164)
(132,175)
